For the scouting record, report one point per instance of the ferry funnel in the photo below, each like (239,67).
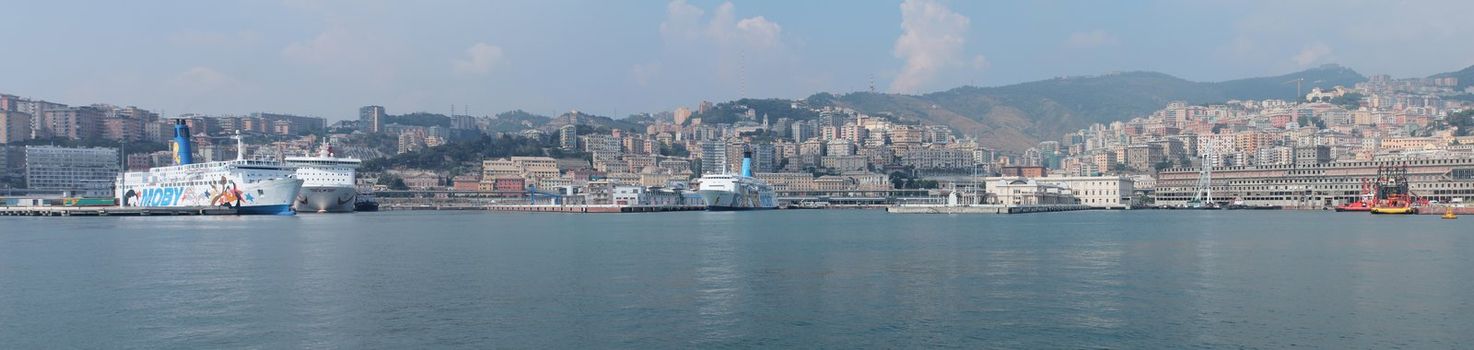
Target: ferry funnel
(183,153)
(747,163)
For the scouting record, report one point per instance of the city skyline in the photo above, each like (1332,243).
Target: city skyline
(327,58)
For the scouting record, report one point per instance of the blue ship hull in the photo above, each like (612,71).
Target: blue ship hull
(280,209)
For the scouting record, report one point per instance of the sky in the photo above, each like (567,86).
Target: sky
(326,58)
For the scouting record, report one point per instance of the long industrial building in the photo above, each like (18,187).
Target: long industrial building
(1316,186)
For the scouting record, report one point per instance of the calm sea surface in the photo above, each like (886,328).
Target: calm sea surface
(796,279)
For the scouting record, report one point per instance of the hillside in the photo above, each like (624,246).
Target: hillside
(516,120)
(596,121)
(419,119)
(734,111)
(1466,76)
(1018,116)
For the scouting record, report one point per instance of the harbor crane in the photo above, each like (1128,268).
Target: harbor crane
(1299,93)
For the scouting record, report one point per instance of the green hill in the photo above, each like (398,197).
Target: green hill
(1466,76)
(1019,116)
(734,111)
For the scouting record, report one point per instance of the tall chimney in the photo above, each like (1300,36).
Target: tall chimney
(747,163)
(183,152)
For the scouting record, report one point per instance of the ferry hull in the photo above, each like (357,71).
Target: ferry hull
(266,197)
(326,199)
(732,201)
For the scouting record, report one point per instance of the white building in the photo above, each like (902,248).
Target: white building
(1015,191)
(84,171)
(1112,192)
(640,195)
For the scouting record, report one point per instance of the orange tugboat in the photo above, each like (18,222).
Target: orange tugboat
(1393,196)
(1363,204)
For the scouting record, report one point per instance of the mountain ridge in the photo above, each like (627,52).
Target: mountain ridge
(1018,116)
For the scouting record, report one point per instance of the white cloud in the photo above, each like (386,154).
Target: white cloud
(1091,39)
(328,46)
(980,62)
(198,39)
(479,59)
(759,31)
(682,21)
(1312,54)
(203,80)
(644,74)
(356,52)
(720,40)
(932,40)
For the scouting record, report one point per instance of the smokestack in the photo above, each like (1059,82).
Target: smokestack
(747,163)
(183,153)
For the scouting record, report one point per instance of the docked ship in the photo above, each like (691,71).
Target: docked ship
(328,185)
(737,191)
(1393,195)
(248,186)
(1363,203)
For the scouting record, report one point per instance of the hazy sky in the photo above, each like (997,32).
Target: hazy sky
(326,57)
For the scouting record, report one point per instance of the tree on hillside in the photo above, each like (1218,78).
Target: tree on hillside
(1350,100)
(1464,121)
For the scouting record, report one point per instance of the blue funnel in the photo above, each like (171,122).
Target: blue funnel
(747,163)
(183,153)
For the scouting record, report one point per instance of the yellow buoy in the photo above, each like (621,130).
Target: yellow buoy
(1450,214)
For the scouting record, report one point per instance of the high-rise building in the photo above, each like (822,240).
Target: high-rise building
(75,123)
(37,109)
(371,119)
(568,137)
(764,158)
(8,102)
(462,122)
(122,129)
(15,126)
(681,115)
(84,171)
(713,157)
(293,124)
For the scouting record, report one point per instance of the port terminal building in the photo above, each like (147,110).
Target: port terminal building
(1318,185)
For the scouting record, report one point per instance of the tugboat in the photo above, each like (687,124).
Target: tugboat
(1392,190)
(1362,204)
(366,202)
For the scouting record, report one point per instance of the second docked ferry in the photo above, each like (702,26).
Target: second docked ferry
(329,182)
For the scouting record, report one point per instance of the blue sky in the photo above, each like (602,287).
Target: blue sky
(328,57)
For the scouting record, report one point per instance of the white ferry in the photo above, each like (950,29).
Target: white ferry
(737,191)
(329,182)
(249,186)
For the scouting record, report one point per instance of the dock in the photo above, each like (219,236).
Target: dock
(608,209)
(114,211)
(983,209)
(1439,210)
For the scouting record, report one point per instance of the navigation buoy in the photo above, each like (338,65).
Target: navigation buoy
(1449,214)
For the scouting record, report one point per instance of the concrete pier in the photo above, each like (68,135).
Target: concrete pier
(113,211)
(594,208)
(982,209)
(1439,210)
